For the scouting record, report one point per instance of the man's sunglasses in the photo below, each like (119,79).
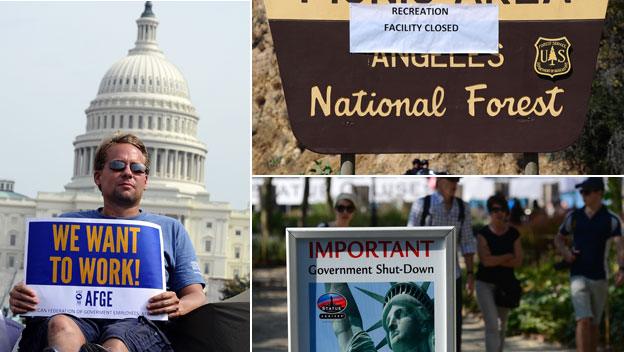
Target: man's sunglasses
(342,208)
(496,210)
(136,168)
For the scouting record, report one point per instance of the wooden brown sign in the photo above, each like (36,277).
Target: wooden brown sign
(531,97)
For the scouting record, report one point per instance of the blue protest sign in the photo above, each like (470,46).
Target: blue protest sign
(94,268)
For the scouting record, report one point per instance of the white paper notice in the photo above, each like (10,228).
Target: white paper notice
(431,29)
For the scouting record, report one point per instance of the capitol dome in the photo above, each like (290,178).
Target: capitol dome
(144,73)
(145,94)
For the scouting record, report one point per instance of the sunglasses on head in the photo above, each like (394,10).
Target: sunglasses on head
(136,168)
(343,208)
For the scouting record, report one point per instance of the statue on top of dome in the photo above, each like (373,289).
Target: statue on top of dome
(148,10)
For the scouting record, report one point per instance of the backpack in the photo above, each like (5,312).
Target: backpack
(427,206)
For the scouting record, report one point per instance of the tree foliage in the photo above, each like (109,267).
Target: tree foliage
(233,287)
(600,148)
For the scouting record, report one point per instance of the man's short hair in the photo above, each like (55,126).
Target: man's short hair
(126,138)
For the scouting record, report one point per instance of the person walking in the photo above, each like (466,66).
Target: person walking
(442,208)
(499,251)
(345,206)
(590,227)
(416,167)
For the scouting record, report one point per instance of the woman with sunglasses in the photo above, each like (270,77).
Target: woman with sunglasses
(499,253)
(344,209)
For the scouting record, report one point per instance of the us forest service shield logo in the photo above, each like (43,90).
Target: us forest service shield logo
(552,56)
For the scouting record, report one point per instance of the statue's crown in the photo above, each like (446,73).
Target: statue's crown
(409,288)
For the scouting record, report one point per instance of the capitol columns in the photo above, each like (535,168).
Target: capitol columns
(166,162)
(91,160)
(176,165)
(203,169)
(187,163)
(75,162)
(197,168)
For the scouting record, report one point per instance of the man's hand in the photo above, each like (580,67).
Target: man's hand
(569,256)
(22,299)
(175,305)
(469,261)
(470,284)
(165,303)
(619,278)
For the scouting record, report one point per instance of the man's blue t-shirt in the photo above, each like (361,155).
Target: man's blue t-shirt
(181,268)
(590,236)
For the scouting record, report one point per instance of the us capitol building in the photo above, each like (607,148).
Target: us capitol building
(147,95)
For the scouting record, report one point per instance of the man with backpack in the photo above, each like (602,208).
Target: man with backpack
(442,208)
(590,227)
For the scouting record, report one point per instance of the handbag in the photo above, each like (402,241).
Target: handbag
(508,293)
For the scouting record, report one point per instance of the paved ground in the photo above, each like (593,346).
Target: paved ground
(269,313)
(473,339)
(270,320)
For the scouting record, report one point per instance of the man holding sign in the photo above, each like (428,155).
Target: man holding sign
(121,169)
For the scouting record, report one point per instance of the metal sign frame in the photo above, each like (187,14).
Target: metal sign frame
(443,251)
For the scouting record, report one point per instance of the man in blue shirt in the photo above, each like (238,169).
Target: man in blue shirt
(591,227)
(121,170)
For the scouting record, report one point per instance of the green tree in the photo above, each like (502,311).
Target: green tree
(600,148)
(233,287)
(267,200)
(305,204)
(613,308)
